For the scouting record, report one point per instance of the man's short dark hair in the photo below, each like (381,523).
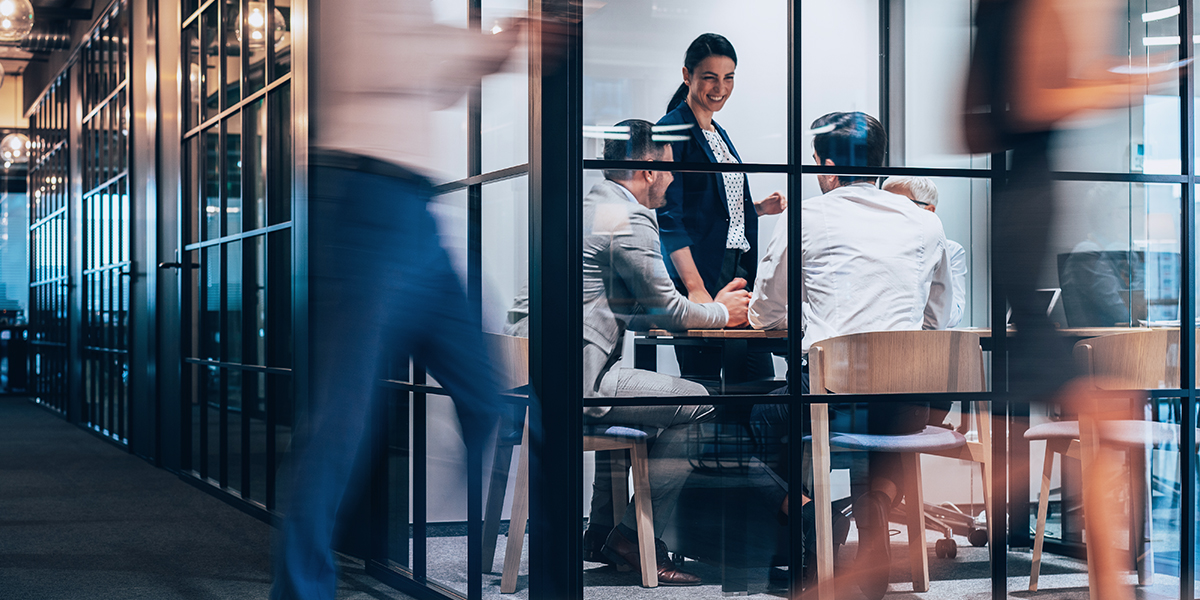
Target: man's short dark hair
(850,139)
(640,145)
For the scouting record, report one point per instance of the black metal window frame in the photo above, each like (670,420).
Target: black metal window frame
(408,394)
(557,161)
(104,77)
(232,131)
(49,258)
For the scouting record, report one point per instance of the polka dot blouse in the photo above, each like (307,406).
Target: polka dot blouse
(735,193)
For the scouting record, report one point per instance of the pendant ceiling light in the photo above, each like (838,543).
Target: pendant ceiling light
(14,148)
(16,19)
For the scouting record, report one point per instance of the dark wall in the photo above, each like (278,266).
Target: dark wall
(46,66)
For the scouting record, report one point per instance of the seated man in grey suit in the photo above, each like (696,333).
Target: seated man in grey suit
(626,286)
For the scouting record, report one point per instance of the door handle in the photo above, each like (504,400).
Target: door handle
(176,265)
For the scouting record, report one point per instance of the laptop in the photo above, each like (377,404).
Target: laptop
(1047,297)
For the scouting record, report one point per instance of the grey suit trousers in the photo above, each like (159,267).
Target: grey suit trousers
(669,467)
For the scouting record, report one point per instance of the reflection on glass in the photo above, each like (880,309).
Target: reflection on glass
(233,175)
(1116,254)
(278,265)
(254,305)
(232,90)
(193,188)
(255,165)
(279,153)
(232,326)
(212,184)
(505,255)
(193,86)
(212,62)
(210,328)
(254,395)
(283,42)
(233,424)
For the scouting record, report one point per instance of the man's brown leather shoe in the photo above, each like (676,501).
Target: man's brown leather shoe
(625,556)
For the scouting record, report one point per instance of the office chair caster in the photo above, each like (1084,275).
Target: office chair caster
(946,548)
(977,537)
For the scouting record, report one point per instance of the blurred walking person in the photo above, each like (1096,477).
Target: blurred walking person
(1037,63)
(380,283)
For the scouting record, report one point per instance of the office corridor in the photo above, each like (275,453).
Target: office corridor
(83,519)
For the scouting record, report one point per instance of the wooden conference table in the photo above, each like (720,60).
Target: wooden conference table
(736,342)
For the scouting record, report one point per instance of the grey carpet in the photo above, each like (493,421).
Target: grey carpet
(82,519)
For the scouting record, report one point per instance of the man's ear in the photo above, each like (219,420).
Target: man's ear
(829,162)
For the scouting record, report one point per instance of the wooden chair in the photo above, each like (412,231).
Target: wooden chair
(513,354)
(912,362)
(1133,360)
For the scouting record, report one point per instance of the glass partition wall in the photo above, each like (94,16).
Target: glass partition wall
(1114,278)
(48,249)
(539,207)
(236,264)
(107,265)
(1115,274)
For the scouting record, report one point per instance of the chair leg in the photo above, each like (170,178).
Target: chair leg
(520,516)
(822,496)
(1139,517)
(645,513)
(497,487)
(914,500)
(620,484)
(1052,448)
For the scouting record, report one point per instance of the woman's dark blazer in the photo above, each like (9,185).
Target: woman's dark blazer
(696,212)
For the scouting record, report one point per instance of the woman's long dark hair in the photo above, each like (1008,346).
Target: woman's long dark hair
(708,44)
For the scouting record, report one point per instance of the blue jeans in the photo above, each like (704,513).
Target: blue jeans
(380,285)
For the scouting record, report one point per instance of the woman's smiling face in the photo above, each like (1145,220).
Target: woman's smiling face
(711,83)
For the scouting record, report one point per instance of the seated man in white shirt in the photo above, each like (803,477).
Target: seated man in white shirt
(870,261)
(924,193)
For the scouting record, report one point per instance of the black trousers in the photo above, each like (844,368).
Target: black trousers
(703,364)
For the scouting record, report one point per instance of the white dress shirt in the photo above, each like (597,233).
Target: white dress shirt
(870,261)
(769,302)
(958,274)
(382,67)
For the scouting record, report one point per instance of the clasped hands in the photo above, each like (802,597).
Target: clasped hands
(735,298)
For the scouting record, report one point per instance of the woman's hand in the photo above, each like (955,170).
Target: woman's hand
(774,204)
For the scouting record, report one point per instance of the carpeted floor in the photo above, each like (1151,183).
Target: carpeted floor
(81,519)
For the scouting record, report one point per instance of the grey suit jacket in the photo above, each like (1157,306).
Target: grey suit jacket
(625,286)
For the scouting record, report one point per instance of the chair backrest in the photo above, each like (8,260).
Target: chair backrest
(1147,359)
(899,362)
(510,355)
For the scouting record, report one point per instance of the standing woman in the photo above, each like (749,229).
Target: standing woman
(709,225)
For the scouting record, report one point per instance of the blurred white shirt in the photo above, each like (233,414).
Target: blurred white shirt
(382,68)
(958,274)
(870,261)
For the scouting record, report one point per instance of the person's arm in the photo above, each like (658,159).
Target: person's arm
(416,56)
(941,289)
(1055,38)
(686,268)
(638,262)
(958,275)
(769,302)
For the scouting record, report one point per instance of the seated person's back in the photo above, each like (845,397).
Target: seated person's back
(872,261)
